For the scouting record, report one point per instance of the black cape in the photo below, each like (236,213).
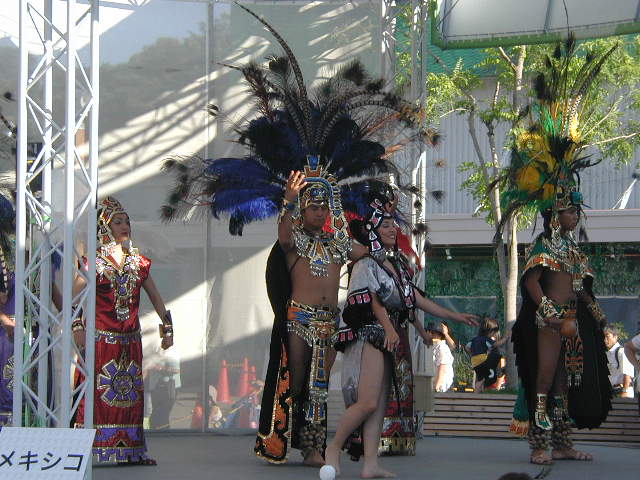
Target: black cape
(590,402)
(274,432)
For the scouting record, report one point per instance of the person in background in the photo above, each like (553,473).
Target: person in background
(163,378)
(442,359)
(632,351)
(620,368)
(485,357)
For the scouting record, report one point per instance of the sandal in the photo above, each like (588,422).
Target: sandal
(142,461)
(541,458)
(571,454)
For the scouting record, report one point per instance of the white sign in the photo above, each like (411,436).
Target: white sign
(45,453)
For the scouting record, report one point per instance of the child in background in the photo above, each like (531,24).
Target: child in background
(485,358)
(442,358)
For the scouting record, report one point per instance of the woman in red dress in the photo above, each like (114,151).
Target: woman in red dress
(121,272)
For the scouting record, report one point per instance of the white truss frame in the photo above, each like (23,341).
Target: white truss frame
(50,234)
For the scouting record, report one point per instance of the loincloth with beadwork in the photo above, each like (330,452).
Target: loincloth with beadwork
(316,326)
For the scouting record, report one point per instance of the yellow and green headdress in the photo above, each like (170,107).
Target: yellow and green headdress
(547,154)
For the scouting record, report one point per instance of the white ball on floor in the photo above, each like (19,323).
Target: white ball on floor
(327,472)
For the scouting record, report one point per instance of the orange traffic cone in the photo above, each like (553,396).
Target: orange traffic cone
(243,386)
(197,416)
(223,385)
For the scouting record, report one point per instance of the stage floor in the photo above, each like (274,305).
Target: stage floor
(186,457)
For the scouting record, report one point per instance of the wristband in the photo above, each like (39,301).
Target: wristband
(287,205)
(165,330)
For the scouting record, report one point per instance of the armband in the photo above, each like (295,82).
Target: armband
(545,310)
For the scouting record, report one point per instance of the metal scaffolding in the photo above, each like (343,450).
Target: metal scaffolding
(48,230)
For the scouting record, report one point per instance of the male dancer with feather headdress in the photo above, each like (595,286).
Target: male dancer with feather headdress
(306,318)
(558,338)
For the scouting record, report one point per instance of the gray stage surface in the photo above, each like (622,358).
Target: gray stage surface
(439,458)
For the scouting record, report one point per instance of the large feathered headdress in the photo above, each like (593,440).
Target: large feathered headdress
(330,133)
(548,154)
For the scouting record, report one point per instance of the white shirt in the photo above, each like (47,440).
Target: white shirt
(616,374)
(635,341)
(442,356)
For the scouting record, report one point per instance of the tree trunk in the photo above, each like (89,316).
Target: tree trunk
(510,289)
(510,300)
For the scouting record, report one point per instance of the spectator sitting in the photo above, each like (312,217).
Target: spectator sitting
(620,368)
(442,358)
(485,358)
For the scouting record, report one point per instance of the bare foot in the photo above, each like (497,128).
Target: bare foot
(376,472)
(571,454)
(314,459)
(332,457)
(541,457)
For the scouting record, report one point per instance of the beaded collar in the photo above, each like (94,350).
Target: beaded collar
(321,249)
(123,280)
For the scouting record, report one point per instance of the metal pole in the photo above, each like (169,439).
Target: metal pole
(45,269)
(21,230)
(69,210)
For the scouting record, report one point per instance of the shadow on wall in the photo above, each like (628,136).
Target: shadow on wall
(153,105)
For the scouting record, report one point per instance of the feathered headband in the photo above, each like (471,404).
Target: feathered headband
(332,130)
(547,156)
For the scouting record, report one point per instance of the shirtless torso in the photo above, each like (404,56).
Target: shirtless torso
(310,289)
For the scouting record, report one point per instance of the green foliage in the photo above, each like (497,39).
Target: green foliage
(462,370)
(463,277)
(616,272)
(607,125)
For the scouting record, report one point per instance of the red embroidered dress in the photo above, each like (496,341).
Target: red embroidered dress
(118,389)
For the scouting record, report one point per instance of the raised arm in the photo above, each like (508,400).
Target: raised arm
(295,183)
(447,337)
(502,340)
(436,310)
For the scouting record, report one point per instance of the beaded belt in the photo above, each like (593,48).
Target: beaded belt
(315,325)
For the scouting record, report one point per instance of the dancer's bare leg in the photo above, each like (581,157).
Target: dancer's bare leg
(549,347)
(371,432)
(560,388)
(299,361)
(370,388)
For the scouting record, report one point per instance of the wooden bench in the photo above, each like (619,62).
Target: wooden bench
(488,415)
